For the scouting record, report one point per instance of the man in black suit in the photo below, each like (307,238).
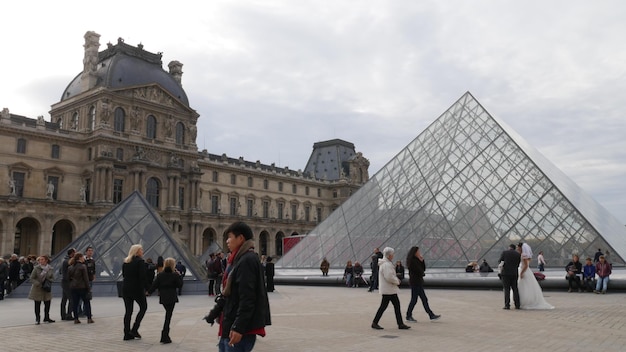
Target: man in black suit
(511,259)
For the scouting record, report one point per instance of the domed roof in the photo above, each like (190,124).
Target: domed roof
(123,65)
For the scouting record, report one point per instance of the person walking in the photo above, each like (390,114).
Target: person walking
(374,266)
(182,271)
(541,261)
(4,274)
(417,267)
(389,288)
(511,259)
(167,282)
(37,293)
(79,286)
(134,289)
(66,298)
(269,274)
(246,309)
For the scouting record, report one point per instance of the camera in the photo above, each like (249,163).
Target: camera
(215,312)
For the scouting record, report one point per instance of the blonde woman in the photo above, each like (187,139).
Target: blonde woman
(40,273)
(167,282)
(134,290)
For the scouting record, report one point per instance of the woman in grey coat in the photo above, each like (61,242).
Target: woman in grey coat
(40,273)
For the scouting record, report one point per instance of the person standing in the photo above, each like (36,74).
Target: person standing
(40,273)
(417,267)
(167,282)
(389,289)
(541,261)
(4,273)
(269,274)
(596,257)
(324,266)
(603,269)
(182,270)
(134,290)
(66,299)
(79,286)
(511,259)
(246,309)
(211,274)
(14,273)
(374,266)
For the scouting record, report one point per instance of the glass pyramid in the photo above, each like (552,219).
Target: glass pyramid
(132,221)
(463,190)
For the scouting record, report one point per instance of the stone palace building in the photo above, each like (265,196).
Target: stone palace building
(125,124)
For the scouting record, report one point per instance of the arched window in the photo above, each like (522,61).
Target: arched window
(151,126)
(152,192)
(263,243)
(75,121)
(279,243)
(60,122)
(91,123)
(180,133)
(120,118)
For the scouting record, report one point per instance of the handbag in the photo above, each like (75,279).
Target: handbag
(46,285)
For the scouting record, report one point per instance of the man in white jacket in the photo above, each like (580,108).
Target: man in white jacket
(388,286)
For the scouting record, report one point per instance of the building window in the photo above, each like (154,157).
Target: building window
(91,123)
(279,244)
(250,207)
(21,146)
(281,209)
(60,123)
(233,179)
(294,210)
(181,198)
(294,189)
(307,213)
(55,151)
(334,193)
(319,214)
(215,205)
(18,179)
(53,184)
(119,154)
(89,153)
(319,192)
(266,209)
(74,123)
(180,133)
(280,186)
(119,120)
(266,184)
(118,187)
(152,192)
(151,127)
(306,190)
(215,176)
(249,181)
(233,206)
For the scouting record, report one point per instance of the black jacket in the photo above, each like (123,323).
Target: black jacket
(511,259)
(167,282)
(247,307)
(135,278)
(416,271)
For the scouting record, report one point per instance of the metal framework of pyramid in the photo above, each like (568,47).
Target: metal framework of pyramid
(463,190)
(133,221)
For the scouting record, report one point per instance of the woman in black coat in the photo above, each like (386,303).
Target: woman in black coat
(134,289)
(269,274)
(167,282)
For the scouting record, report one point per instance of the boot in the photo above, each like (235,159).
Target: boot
(165,338)
(135,331)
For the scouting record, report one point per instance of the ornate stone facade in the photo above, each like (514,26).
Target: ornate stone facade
(103,143)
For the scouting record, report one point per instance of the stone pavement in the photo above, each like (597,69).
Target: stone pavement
(321,318)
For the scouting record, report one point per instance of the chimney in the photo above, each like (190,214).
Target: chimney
(90,61)
(176,70)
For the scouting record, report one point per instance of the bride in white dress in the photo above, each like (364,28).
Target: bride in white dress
(531,296)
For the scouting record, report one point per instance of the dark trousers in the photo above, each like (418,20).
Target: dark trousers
(169,310)
(66,300)
(575,279)
(211,287)
(510,283)
(374,280)
(384,303)
(2,288)
(128,306)
(417,291)
(78,295)
(46,310)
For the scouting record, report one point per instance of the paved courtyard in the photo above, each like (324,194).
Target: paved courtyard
(314,318)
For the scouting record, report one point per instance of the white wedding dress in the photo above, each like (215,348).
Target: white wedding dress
(530,294)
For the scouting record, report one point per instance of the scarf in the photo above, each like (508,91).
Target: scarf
(44,272)
(232,260)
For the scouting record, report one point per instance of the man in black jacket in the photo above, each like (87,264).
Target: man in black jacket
(246,309)
(511,259)
(66,298)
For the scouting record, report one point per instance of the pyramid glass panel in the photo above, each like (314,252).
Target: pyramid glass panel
(133,221)
(463,190)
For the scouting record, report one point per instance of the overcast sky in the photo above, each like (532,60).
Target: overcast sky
(270,78)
